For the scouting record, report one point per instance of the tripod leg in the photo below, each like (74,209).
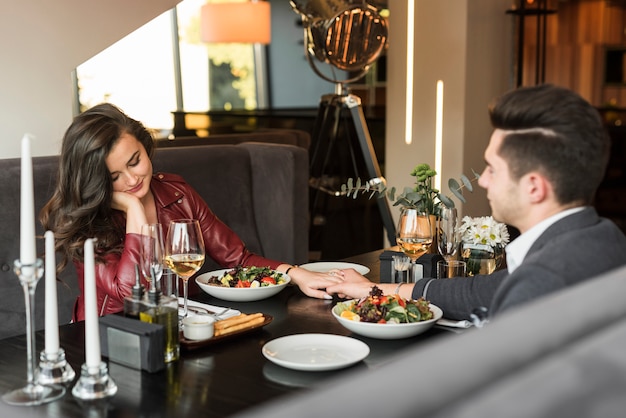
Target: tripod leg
(317,135)
(331,135)
(325,135)
(353,103)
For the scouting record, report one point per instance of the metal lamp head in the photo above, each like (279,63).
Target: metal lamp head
(347,34)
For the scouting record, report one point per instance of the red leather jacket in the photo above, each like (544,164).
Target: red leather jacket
(174,199)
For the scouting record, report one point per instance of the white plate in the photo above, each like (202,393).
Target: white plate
(238,294)
(315,352)
(324,266)
(389,331)
(299,378)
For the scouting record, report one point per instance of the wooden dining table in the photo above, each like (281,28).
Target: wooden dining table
(213,380)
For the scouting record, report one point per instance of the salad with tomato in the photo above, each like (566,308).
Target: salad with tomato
(248,277)
(385,309)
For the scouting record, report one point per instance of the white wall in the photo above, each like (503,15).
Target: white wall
(465,43)
(41,43)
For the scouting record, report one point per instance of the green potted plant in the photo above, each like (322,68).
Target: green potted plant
(421,196)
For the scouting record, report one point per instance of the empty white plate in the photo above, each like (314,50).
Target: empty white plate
(324,266)
(315,352)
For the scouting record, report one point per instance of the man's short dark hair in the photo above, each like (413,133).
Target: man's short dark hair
(556,132)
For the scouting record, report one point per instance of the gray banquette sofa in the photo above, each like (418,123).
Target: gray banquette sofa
(259,189)
(561,356)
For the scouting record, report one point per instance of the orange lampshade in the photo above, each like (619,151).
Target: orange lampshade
(244,22)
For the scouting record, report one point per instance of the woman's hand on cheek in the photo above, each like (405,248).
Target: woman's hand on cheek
(124,201)
(133,208)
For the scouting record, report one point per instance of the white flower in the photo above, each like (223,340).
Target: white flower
(483,230)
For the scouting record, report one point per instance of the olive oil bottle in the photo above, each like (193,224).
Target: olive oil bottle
(163,310)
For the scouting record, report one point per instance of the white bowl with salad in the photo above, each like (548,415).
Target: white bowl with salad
(243,284)
(386,317)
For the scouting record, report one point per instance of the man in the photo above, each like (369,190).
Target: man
(545,159)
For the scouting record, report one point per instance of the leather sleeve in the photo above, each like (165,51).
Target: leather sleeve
(114,279)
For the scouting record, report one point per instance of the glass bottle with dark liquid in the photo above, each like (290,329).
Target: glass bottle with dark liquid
(163,310)
(134,303)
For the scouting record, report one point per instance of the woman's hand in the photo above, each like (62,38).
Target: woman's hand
(353,286)
(314,284)
(124,201)
(133,208)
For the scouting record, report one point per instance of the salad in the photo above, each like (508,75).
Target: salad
(248,277)
(385,309)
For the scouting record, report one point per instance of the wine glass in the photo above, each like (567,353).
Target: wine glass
(447,234)
(414,234)
(184,251)
(152,251)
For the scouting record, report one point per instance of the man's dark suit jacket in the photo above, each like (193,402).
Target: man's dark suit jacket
(575,248)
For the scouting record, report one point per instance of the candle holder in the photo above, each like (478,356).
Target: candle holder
(34,393)
(53,368)
(94,383)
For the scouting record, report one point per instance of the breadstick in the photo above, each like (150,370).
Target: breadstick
(235,320)
(248,324)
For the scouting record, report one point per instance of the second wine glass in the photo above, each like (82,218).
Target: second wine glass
(152,251)
(414,235)
(447,234)
(184,251)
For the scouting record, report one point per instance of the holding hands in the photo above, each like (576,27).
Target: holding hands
(315,284)
(346,283)
(352,285)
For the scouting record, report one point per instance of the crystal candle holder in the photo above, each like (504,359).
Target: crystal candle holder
(94,383)
(54,369)
(34,393)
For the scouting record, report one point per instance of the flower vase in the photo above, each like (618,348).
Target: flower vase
(481,258)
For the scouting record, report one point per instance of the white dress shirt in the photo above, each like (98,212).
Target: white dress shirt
(517,249)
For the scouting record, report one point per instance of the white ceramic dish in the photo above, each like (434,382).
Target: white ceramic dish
(324,266)
(238,294)
(198,327)
(315,352)
(389,331)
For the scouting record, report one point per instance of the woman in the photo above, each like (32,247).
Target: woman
(106,190)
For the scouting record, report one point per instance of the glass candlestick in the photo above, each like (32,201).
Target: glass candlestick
(53,368)
(34,393)
(94,383)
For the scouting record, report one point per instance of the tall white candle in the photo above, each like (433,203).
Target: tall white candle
(27,206)
(92,328)
(52,315)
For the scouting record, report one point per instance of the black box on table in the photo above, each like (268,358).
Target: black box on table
(133,343)
(428,263)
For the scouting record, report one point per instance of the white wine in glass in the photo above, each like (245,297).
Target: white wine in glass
(184,251)
(414,234)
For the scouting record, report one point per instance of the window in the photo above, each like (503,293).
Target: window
(163,66)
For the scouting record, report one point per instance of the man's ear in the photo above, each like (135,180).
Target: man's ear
(537,187)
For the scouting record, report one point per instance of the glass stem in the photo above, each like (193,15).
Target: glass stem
(29,301)
(185,298)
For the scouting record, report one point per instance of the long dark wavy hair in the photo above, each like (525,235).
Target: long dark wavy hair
(80,207)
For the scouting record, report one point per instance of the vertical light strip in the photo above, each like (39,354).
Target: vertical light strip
(410,41)
(439,134)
